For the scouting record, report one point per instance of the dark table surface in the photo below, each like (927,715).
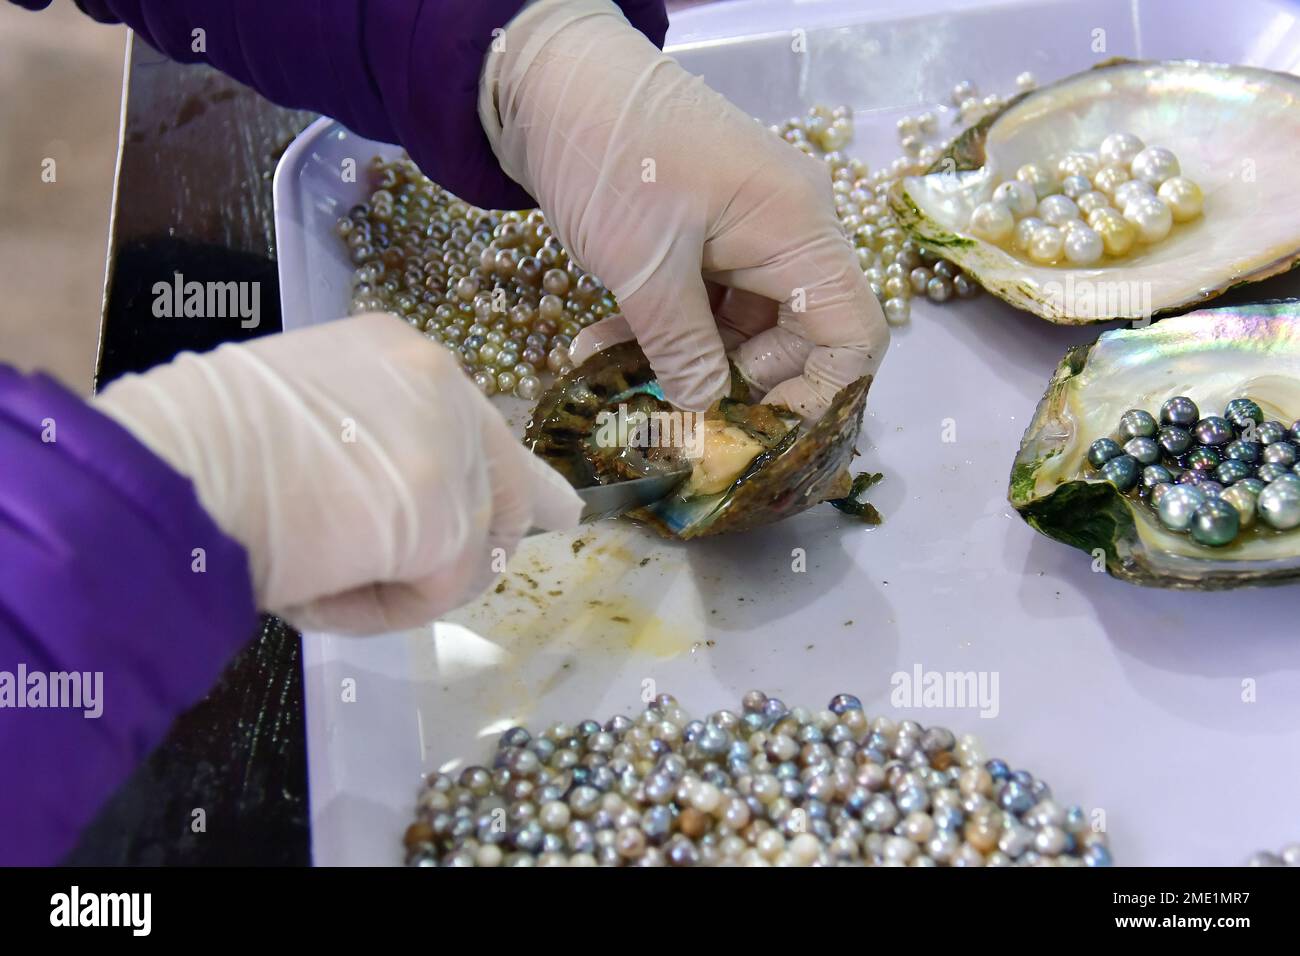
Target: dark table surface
(194,196)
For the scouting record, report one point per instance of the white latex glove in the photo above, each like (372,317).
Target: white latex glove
(580,109)
(365,474)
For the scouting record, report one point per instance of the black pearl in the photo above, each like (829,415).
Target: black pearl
(1213,431)
(1122,472)
(1215,523)
(1239,411)
(1232,470)
(1202,459)
(1102,451)
(1153,475)
(1280,453)
(1181,411)
(1270,432)
(1239,450)
(1145,450)
(1174,440)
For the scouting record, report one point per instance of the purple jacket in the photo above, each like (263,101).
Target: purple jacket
(120,599)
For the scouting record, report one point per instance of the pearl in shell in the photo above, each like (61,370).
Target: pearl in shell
(1154,165)
(1037,177)
(1056,209)
(1025,230)
(1110,178)
(1017,196)
(1183,197)
(1083,246)
(1046,244)
(1151,218)
(1119,149)
(992,221)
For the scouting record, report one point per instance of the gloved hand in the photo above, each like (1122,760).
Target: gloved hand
(367,477)
(656,183)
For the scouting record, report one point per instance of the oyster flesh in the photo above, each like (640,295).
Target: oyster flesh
(751,464)
(1236,131)
(1213,357)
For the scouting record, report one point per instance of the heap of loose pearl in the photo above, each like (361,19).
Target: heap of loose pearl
(768,785)
(1089,205)
(1289,855)
(1212,477)
(496,288)
(896,268)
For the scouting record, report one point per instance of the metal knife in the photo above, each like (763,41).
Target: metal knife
(610,501)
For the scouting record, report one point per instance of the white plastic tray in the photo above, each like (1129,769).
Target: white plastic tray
(1129,701)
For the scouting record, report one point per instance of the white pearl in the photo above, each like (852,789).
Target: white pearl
(1078,164)
(1183,197)
(1056,209)
(1075,186)
(1151,217)
(1117,233)
(1118,149)
(1132,191)
(1026,81)
(927,122)
(1037,177)
(992,221)
(1017,196)
(1110,178)
(906,126)
(897,311)
(1092,200)
(1082,245)
(1154,165)
(1025,230)
(1045,246)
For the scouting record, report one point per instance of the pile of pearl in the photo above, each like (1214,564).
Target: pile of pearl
(496,288)
(1212,477)
(1089,205)
(896,268)
(770,785)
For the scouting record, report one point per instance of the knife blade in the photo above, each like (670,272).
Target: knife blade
(612,500)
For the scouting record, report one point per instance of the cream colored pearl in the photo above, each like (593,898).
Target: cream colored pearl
(1151,218)
(992,221)
(1045,246)
(1118,149)
(1092,200)
(1117,233)
(1025,230)
(1154,165)
(1132,191)
(1036,176)
(1017,196)
(1183,197)
(1082,245)
(1056,209)
(1077,164)
(1110,178)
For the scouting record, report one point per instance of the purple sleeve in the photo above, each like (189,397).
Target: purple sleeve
(120,603)
(401,71)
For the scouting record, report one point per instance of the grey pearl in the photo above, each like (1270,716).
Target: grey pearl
(1279,505)
(1137,423)
(1280,453)
(1122,472)
(938,289)
(965,286)
(1239,411)
(1174,440)
(1215,523)
(1153,475)
(920,278)
(1145,450)
(1213,431)
(1239,450)
(1102,451)
(1270,432)
(1178,506)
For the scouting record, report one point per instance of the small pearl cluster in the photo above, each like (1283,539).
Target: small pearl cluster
(770,785)
(896,268)
(496,288)
(1213,477)
(1289,855)
(1129,194)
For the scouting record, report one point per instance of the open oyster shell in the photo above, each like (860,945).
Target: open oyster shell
(800,467)
(1211,356)
(1236,132)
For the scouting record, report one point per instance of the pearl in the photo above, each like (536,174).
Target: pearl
(1151,218)
(1026,81)
(1109,178)
(1280,453)
(962,92)
(1239,411)
(1090,201)
(1119,149)
(1154,164)
(1017,196)
(1213,431)
(1178,507)
(1183,197)
(1131,191)
(1215,523)
(1024,232)
(1145,450)
(1036,177)
(1269,432)
(1077,164)
(992,221)
(919,279)
(896,310)
(965,286)
(938,289)
(1046,244)
(1138,423)
(1122,472)
(1278,505)
(1075,186)
(1243,499)
(1117,234)
(1083,246)
(1244,451)
(1154,476)
(1056,209)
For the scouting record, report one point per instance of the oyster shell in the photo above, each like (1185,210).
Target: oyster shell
(1236,131)
(1211,356)
(794,467)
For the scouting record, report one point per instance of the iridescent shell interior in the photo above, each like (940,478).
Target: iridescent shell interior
(1236,132)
